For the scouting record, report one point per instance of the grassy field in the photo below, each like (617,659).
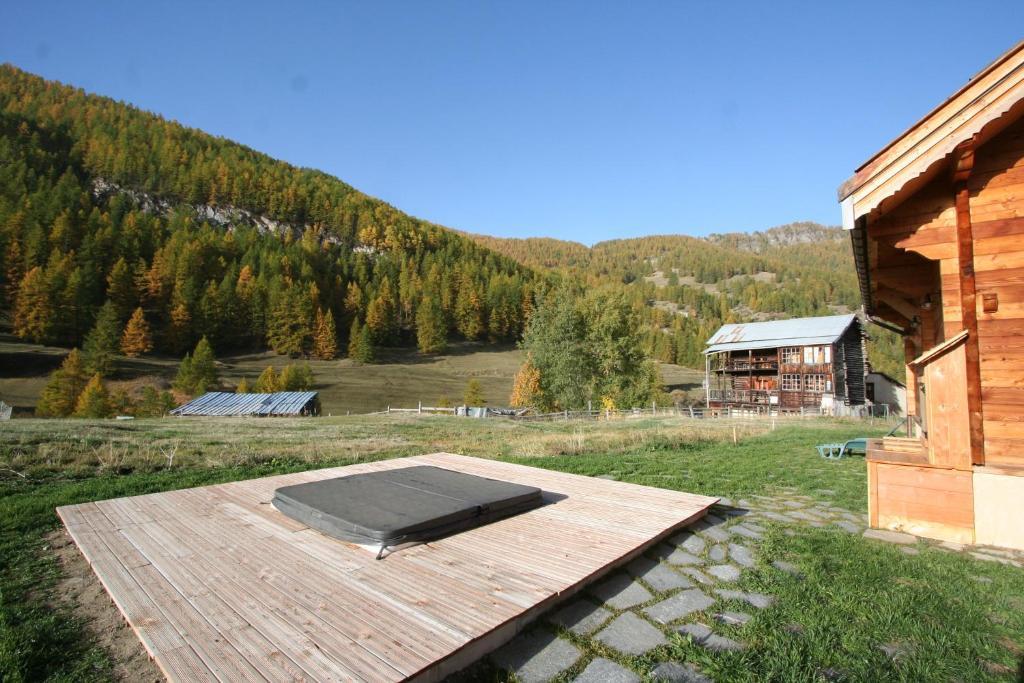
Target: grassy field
(400,378)
(854,595)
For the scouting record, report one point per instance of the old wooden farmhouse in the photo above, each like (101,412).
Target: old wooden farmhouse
(804,363)
(937,220)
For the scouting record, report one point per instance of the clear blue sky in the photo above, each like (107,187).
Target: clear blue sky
(578,120)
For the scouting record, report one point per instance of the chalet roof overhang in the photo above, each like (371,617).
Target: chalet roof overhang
(770,344)
(778,333)
(990,101)
(918,154)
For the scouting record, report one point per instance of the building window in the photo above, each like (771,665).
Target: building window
(791,355)
(816,383)
(791,382)
(816,355)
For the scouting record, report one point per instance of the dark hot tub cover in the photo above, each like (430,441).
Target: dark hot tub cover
(390,507)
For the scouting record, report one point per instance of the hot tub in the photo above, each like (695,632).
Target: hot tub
(410,504)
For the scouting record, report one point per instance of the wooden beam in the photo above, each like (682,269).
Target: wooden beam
(968,298)
(908,309)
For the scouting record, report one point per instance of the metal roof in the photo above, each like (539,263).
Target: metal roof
(773,333)
(229,404)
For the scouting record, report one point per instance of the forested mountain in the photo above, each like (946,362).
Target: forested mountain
(100,201)
(686,287)
(174,234)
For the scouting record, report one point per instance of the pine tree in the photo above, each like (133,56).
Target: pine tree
(33,311)
(179,334)
(296,378)
(474,395)
(61,392)
(197,372)
(185,379)
(289,380)
(360,343)
(204,367)
(14,271)
(526,387)
(381,316)
(431,330)
(121,287)
(325,337)
(267,382)
(469,315)
(243,386)
(103,342)
(137,338)
(94,401)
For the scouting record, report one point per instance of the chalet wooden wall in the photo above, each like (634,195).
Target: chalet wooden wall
(997,218)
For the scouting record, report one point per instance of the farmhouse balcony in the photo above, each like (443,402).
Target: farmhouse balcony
(756,365)
(744,396)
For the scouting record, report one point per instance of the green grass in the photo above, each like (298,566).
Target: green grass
(400,377)
(855,593)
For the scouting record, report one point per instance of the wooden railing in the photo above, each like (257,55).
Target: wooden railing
(749,396)
(745,365)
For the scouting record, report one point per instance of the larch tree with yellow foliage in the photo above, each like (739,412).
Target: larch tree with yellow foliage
(526,386)
(137,338)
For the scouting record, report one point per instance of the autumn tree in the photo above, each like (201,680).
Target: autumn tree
(33,311)
(325,337)
(61,392)
(296,378)
(103,342)
(474,394)
(382,314)
(469,314)
(526,386)
(431,329)
(137,338)
(121,287)
(243,386)
(94,400)
(268,382)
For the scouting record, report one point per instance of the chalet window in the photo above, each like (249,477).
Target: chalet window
(791,355)
(791,382)
(816,383)
(817,355)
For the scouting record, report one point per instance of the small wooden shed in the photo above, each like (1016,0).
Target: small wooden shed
(227,404)
(937,221)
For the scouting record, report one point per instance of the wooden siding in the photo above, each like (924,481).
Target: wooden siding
(927,501)
(219,586)
(997,214)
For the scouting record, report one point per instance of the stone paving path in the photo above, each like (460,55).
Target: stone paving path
(685,588)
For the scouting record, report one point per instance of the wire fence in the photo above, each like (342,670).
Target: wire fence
(729,413)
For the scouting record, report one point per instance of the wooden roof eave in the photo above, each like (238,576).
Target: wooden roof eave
(987,97)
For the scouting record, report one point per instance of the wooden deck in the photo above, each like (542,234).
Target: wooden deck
(219,585)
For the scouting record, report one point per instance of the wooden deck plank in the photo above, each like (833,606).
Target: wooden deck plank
(221,586)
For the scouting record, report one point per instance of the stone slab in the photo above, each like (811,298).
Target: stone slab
(536,657)
(631,635)
(679,605)
(606,671)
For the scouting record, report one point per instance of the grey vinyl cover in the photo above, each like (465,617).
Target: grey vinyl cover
(396,506)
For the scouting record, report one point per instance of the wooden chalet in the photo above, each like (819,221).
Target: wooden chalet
(799,364)
(937,221)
